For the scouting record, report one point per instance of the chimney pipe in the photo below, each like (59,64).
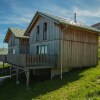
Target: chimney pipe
(75,17)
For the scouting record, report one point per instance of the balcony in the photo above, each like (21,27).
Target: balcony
(26,60)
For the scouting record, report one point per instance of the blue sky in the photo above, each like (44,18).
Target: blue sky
(18,13)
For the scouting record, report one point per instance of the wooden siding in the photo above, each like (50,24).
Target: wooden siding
(13,43)
(80,48)
(24,46)
(53,32)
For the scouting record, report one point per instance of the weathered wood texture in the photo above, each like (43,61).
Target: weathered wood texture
(80,48)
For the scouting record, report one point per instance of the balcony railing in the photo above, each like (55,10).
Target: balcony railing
(3,58)
(26,60)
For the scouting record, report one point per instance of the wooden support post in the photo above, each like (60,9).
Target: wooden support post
(10,71)
(27,78)
(3,68)
(17,73)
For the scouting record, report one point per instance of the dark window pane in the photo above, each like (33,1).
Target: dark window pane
(37,50)
(37,34)
(38,30)
(45,31)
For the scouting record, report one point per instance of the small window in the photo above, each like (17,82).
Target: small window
(41,49)
(38,30)
(45,31)
(37,34)
(45,27)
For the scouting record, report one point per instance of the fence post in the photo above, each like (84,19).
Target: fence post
(27,78)
(17,74)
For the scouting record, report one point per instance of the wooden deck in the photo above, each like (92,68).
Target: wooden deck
(30,61)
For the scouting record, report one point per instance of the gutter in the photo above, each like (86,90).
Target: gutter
(61,70)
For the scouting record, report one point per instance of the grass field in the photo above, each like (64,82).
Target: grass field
(5,65)
(82,84)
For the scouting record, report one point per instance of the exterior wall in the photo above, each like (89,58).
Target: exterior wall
(24,46)
(52,37)
(80,49)
(13,43)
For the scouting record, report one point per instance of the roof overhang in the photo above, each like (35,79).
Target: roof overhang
(96,31)
(7,37)
(9,33)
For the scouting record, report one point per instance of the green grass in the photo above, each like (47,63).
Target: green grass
(5,65)
(82,84)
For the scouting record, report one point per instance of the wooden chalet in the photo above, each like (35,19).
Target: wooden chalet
(55,46)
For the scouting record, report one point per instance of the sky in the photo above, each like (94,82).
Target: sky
(19,13)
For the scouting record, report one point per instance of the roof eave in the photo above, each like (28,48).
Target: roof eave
(98,31)
(22,37)
(4,41)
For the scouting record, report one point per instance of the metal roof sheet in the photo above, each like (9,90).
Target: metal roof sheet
(69,22)
(18,32)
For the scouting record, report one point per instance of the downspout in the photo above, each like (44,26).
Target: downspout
(62,49)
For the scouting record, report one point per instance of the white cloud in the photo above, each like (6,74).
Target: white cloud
(87,13)
(19,15)
(23,15)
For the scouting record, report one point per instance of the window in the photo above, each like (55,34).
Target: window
(38,50)
(41,49)
(45,31)
(38,30)
(37,33)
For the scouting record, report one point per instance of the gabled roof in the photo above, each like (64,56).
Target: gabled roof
(18,33)
(96,24)
(59,20)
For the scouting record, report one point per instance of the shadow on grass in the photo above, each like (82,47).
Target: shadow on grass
(10,91)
